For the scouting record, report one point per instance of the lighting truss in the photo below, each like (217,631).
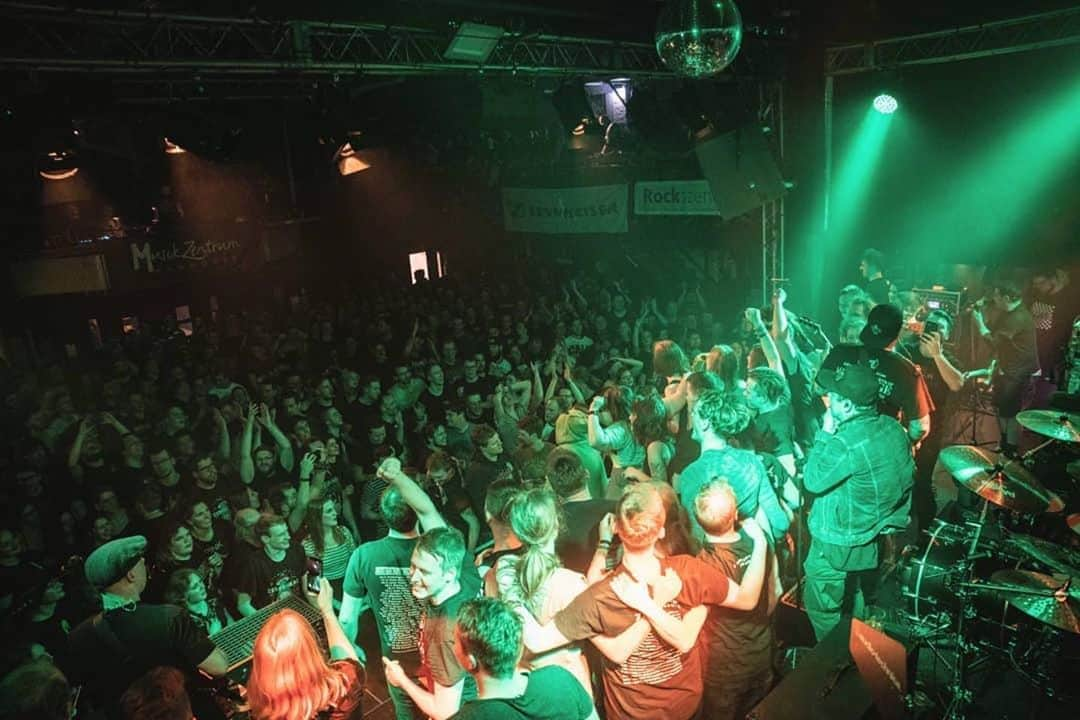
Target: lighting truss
(1004,37)
(771,115)
(54,39)
(1033,32)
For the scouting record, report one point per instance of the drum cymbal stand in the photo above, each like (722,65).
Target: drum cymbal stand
(961,695)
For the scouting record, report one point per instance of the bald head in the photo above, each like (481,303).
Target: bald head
(715,508)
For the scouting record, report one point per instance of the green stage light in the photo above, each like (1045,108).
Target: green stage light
(885,104)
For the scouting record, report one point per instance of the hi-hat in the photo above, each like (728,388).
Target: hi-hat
(1047,599)
(996,478)
(1052,423)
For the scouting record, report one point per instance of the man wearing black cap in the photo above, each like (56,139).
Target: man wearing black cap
(860,472)
(128,638)
(902,390)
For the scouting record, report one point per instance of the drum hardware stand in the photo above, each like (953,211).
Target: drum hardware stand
(961,696)
(1033,451)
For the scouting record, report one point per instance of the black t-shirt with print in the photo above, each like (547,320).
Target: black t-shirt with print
(267,581)
(216,498)
(773,431)
(379,571)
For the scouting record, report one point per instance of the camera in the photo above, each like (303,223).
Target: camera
(931,326)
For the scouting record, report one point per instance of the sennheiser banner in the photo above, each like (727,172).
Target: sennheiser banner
(674,197)
(567,211)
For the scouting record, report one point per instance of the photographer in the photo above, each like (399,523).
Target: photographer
(927,346)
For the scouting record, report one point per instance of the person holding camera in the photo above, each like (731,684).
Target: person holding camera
(929,350)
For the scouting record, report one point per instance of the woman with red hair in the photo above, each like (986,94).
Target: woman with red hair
(291,678)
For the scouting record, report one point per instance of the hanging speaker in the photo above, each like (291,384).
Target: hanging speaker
(740,169)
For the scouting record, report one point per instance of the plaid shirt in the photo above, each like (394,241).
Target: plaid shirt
(861,477)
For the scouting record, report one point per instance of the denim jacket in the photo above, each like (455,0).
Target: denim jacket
(861,477)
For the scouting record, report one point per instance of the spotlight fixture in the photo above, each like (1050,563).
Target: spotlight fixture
(349,161)
(58,164)
(473,42)
(885,104)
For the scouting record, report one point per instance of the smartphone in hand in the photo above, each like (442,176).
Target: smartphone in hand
(314,575)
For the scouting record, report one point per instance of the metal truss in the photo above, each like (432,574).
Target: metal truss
(53,39)
(1033,32)
(771,115)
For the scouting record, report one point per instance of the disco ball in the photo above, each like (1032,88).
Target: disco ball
(698,38)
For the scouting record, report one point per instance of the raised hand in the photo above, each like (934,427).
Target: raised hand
(388,468)
(750,527)
(395,675)
(634,595)
(666,587)
(930,345)
(606,529)
(307,465)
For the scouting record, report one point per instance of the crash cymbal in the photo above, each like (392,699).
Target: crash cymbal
(1052,423)
(1047,599)
(1073,521)
(1051,555)
(996,478)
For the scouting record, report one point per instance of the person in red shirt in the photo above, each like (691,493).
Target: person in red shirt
(662,676)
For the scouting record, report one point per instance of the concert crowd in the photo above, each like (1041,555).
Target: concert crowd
(557,499)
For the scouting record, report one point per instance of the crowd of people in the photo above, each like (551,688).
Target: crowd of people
(553,502)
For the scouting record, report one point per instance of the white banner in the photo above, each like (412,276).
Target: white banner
(576,210)
(674,197)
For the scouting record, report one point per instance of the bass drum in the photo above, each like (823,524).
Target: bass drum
(927,575)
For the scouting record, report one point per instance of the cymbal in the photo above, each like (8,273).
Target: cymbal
(1052,423)
(1073,521)
(1056,557)
(996,478)
(1047,599)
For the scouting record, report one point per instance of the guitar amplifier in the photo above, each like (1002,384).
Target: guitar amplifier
(938,298)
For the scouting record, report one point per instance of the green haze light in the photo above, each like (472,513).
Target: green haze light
(885,104)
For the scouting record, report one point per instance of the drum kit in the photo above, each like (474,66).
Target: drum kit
(994,594)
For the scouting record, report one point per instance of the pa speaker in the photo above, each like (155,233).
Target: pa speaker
(740,169)
(853,673)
